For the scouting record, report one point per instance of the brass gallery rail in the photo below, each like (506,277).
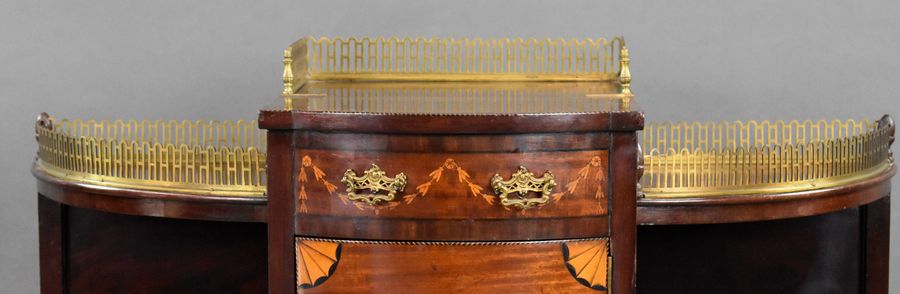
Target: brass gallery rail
(681,160)
(739,158)
(208,158)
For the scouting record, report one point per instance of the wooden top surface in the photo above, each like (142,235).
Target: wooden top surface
(457,108)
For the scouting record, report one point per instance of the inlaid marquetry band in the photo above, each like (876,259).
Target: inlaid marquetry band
(512,193)
(590,263)
(315,261)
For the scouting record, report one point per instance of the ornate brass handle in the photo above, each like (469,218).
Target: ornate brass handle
(521,183)
(374,180)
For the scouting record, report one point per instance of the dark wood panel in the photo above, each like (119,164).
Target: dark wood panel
(52,230)
(281,165)
(452,124)
(818,254)
(876,230)
(113,253)
(623,187)
(452,186)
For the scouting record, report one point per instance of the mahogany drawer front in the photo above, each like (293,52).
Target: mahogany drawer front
(444,191)
(349,266)
(452,186)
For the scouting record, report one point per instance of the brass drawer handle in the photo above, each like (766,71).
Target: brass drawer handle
(374,180)
(521,183)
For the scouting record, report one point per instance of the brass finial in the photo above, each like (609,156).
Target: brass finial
(43,122)
(288,76)
(624,73)
(288,79)
(888,122)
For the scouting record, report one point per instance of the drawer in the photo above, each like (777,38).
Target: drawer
(453,196)
(352,266)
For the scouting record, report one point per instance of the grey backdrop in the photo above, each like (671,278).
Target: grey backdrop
(703,60)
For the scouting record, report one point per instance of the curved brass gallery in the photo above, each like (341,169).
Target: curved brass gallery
(204,158)
(741,158)
(680,159)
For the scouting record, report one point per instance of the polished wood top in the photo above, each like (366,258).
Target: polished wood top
(624,116)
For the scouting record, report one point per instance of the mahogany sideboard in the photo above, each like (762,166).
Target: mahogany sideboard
(382,172)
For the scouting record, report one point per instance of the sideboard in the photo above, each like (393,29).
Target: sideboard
(462,165)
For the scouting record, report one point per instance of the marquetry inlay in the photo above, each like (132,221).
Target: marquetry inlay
(589,262)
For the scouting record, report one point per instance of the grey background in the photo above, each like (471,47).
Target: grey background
(702,60)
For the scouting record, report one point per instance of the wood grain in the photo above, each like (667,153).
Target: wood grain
(453,185)
(426,268)
(449,161)
(281,166)
(623,184)
(452,124)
